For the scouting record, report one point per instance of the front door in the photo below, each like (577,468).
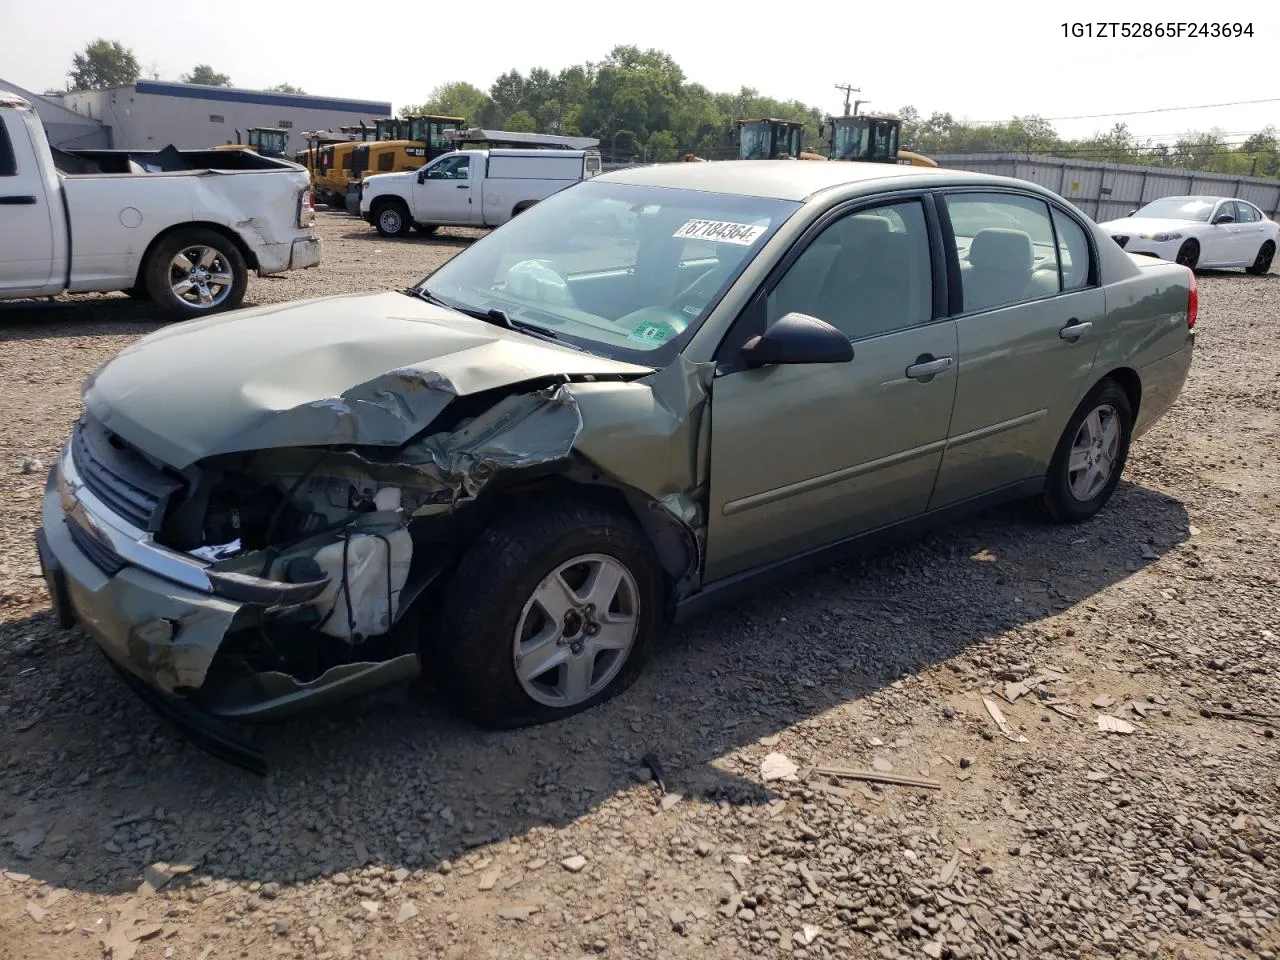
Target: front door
(445,195)
(26,221)
(1029,327)
(807,455)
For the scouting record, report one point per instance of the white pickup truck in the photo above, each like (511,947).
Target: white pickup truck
(182,228)
(471,188)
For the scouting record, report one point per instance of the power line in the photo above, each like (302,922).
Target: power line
(1136,113)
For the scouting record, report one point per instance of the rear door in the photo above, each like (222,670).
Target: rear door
(445,195)
(1029,319)
(808,455)
(26,214)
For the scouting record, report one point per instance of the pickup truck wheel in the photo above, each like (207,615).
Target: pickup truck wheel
(1262,265)
(1091,455)
(392,219)
(138,293)
(550,613)
(426,229)
(195,272)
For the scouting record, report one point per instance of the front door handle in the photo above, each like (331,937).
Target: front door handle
(464,186)
(1075,330)
(12,201)
(925,369)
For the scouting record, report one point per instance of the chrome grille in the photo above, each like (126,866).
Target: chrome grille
(99,554)
(130,486)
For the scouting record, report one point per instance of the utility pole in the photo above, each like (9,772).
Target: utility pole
(847,91)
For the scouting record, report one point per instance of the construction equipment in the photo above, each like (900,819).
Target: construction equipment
(772,139)
(267,141)
(870,139)
(403,144)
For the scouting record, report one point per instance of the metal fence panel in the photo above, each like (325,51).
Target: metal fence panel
(1107,191)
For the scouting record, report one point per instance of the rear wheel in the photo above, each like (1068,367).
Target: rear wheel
(549,614)
(1262,264)
(195,272)
(392,219)
(1091,455)
(426,229)
(1188,254)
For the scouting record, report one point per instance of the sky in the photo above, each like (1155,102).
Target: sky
(977,61)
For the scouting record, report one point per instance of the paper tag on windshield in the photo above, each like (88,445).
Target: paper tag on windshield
(720,231)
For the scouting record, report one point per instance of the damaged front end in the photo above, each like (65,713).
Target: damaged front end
(250,584)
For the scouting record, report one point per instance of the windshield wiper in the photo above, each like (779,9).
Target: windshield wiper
(498,318)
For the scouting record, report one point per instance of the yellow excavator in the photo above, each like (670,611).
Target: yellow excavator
(772,139)
(869,139)
(268,141)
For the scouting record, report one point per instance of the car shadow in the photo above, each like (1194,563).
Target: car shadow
(104,315)
(399,780)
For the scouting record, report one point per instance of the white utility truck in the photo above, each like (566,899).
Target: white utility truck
(180,227)
(471,188)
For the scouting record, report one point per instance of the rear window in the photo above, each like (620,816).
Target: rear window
(8,166)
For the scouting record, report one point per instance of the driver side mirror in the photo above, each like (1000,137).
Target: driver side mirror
(797,338)
(1223,218)
(1131,213)
(422,176)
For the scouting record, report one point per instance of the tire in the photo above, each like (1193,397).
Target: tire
(1064,502)
(164,273)
(492,596)
(1262,265)
(391,218)
(426,229)
(1188,254)
(138,293)
(521,208)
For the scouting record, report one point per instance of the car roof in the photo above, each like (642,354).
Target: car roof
(789,179)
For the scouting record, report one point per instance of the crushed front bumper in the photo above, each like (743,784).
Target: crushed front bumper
(155,615)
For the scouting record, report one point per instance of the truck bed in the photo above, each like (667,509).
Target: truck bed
(166,160)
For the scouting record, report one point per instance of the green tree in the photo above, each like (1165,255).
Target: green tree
(458,99)
(205,75)
(287,88)
(521,121)
(103,64)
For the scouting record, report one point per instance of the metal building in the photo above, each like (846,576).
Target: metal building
(151,114)
(1108,191)
(65,128)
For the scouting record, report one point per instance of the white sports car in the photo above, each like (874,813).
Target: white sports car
(1200,232)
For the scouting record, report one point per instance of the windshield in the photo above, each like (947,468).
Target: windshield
(852,141)
(1179,208)
(755,143)
(625,271)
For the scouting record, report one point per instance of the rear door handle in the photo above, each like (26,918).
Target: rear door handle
(929,368)
(1074,330)
(464,186)
(13,201)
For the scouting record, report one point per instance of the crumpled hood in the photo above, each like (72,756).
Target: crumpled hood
(370,369)
(1133,226)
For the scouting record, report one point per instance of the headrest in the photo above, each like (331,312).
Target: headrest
(861,229)
(1000,249)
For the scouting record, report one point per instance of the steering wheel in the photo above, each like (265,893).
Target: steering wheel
(538,282)
(699,293)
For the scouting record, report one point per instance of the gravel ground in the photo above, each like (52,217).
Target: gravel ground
(391,830)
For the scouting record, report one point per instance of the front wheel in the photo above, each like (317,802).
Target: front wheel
(195,272)
(550,613)
(1091,455)
(1262,264)
(1188,255)
(392,220)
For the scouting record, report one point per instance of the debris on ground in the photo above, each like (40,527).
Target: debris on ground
(776,766)
(997,715)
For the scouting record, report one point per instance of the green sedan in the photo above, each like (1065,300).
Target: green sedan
(651,392)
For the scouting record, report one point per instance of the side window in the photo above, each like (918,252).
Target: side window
(1073,252)
(1228,209)
(8,165)
(1006,249)
(866,274)
(455,168)
(387,161)
(1248,212)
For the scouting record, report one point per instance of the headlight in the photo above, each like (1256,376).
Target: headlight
(1160,237)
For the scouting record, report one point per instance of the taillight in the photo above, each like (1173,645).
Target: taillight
(1193,301)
